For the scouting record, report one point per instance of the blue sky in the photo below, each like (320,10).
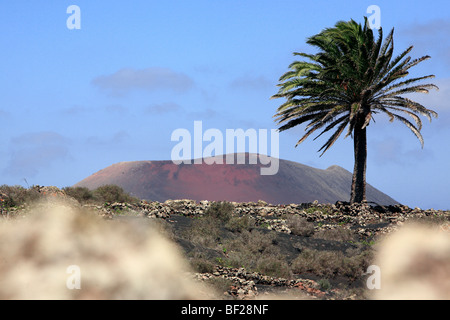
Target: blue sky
(75,101)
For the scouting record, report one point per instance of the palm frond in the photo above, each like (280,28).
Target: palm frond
(411,126)
(352,77)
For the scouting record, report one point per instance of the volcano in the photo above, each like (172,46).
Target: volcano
(293,183)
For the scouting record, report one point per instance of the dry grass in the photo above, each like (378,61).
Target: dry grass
(328,264)
(257,251)
(204,231)
(105,193)
(300,226)
(15,196)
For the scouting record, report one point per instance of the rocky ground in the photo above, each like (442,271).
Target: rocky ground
(364,223)
(293,230)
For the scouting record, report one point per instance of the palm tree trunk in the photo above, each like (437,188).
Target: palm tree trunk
(358,193)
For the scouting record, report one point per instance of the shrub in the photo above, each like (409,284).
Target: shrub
(17,195)
(330,263)
(81,194)
(221,211)
(321,263)
(257,251)
(106,193)
(112,193)
(274,266)
(240,224)
(202,265)
(256,242)
(356,262)
(204,231)
(300,226)
(324,284)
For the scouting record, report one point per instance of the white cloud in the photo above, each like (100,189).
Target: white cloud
(116,108)
(31,152)
(204,114)
(432,28)
(394,151)
(251,82)
(119,137)
(149,79)
(430,38)
(4,114)
(74,110)
(162,108)
(438,101)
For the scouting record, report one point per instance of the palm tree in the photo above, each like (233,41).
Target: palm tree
(352,77)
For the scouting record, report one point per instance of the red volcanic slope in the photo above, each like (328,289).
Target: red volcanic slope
(294,182)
